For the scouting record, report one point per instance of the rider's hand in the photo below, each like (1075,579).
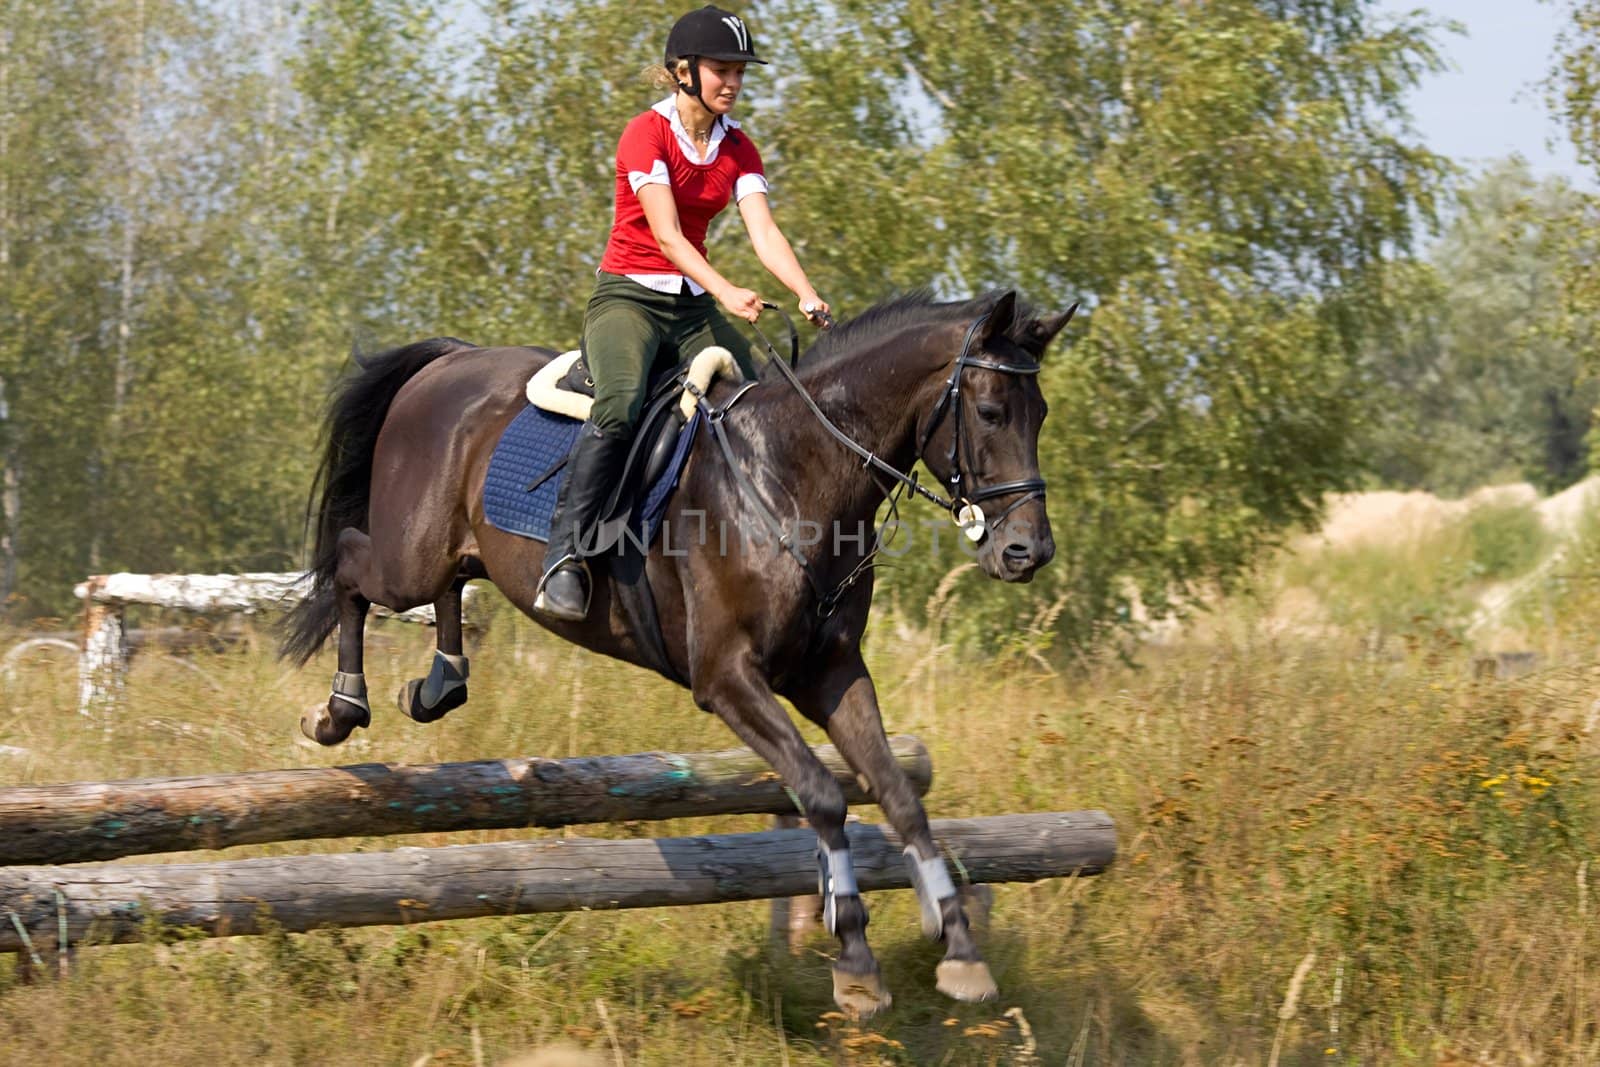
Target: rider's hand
(816,311)
(742,303)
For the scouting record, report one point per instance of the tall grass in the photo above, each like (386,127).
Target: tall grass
(1425,837)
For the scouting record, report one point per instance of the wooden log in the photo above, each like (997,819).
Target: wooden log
(113,902)
(103,820)
(102,669)
(181,640)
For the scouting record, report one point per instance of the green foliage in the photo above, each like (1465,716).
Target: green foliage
(1478,382)
(1505,540)
(1428,577)
(1222,184)
(1388,587)
(1573,93)
(1564,598)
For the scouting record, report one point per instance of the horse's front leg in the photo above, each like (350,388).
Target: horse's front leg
(732,686)
(841,699)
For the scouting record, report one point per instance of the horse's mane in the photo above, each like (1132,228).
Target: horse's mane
(919,307)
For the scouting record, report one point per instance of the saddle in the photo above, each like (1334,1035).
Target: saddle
(564,386)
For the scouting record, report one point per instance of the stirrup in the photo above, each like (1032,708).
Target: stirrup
(544,607)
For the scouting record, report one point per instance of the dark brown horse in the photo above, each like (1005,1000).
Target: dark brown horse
(401,523)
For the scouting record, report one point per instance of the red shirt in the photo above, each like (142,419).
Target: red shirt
(655,150)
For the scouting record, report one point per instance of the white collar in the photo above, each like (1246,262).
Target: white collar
(669,109)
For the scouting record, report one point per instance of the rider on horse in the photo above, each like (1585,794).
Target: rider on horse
(678,165)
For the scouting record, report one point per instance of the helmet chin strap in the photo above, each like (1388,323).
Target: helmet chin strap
(693,86)
(694,94)
(693,89)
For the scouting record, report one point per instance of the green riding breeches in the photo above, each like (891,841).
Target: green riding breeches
(630,331)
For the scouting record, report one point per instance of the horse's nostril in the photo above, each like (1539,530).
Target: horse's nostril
(1017,554)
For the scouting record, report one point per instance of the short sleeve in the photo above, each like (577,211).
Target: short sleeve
(752,175)
(641,155)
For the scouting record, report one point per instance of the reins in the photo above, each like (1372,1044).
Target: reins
(949,400)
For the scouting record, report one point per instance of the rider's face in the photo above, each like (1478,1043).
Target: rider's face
(720,82)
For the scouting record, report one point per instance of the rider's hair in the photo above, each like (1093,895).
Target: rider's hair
(660,77)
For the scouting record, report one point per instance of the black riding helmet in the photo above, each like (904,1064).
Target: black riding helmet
(709,33)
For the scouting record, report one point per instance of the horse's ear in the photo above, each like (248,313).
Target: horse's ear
(1001,315)
(1043,330)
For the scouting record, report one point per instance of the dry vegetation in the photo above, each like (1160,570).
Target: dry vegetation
(1349,846)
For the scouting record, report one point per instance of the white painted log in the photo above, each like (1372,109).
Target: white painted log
(246,594)
(113,902)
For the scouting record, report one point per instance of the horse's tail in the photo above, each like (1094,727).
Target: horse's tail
(340,491)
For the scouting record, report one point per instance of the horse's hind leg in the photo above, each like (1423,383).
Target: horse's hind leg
(347,706)
(728,684)
(445,688)
(842,700)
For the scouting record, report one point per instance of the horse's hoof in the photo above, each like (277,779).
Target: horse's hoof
(967,980)
(310,719)
(860,996)
(333,723)
(411,706)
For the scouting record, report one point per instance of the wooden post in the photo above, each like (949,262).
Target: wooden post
(978,902)
(112,902)
(794,919)
(102,669)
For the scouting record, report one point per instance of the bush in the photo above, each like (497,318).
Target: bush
(1435,575)
(1505,540)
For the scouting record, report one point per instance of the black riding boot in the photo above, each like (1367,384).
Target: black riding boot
(592,471)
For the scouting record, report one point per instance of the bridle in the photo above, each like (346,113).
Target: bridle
(950,400)
(963,507)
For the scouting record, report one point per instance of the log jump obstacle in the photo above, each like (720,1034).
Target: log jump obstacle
(103,663)
(108,903)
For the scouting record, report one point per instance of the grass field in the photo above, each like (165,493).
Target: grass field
(1337,847)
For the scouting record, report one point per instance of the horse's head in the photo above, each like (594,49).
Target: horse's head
(981,437)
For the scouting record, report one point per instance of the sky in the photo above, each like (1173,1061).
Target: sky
(1489,103)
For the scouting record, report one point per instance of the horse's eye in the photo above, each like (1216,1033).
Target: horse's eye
(992,414)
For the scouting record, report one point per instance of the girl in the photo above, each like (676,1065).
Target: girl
(678,166)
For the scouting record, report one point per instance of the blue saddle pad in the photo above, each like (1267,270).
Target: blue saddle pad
(537,440)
